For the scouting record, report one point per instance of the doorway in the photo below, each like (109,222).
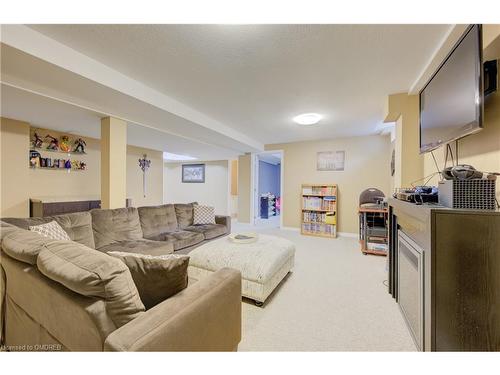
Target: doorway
(267,190)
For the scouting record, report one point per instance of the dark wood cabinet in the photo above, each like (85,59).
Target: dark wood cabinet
(53,206)
(39,208)
(461,301)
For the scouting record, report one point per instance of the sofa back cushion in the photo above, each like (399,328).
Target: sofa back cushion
(184,213)
(156,220)
(5,229)
(24,245)
(115,225)
(78,225)
(26,223)
(94,274)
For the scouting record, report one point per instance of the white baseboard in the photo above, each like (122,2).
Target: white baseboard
(348,234)
(341,234)
(291,228)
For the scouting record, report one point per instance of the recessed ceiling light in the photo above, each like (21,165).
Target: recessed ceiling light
(308,118)
(176,157)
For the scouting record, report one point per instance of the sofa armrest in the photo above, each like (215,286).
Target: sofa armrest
(224,220)
(203,317)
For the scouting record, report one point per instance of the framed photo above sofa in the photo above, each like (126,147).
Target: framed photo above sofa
(193,173)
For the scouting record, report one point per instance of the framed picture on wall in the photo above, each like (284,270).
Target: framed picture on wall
(330,161)
(193,173)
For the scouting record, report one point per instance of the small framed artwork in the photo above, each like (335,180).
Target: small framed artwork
(193,173)
(330,161)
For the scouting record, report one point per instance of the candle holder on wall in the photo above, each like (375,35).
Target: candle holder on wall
(144,164)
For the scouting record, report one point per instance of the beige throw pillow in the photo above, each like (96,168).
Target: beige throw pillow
(203,215)
(156,277)
(51,230)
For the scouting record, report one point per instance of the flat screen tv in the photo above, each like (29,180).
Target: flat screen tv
(451,102)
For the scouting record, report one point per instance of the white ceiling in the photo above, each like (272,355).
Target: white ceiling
(255,78)
(211,91)
(48,113)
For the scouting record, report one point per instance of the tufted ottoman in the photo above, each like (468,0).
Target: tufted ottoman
(263,264)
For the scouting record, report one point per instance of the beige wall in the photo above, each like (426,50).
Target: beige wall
(233,199)
(491,41)
(404,110)
(234,177)
(398,154)
(19,182)
(244,187)
(14,184)
(154,177)
(113,168)
(47,183)
(396,172)
(367,165)
(214,192)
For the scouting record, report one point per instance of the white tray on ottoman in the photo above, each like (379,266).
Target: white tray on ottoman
(263,263)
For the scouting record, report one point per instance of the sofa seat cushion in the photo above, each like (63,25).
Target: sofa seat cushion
(209,231)
(180,239)
(156,277)
(91,273)
(116,225)
(157,219)
(142,246)
(78,225)
(24,245)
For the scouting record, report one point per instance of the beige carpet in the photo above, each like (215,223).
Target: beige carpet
(334,300)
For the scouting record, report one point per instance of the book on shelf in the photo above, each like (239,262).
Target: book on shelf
(307,190)
(331,218)
(377,246)
(319,228)
(318,190)
(319,203)
(319,206)
(329,203)
(319,217)
(312,203)
(313,217)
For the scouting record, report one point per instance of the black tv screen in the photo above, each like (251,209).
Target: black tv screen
(451,102)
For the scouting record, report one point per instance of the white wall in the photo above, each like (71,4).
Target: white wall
(214,192)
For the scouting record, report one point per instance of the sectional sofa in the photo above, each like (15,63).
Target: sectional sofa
(71,295)
(154,230)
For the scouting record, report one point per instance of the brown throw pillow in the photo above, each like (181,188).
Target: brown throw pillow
(156,277)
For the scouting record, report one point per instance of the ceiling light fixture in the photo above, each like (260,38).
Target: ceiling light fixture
(308,118)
